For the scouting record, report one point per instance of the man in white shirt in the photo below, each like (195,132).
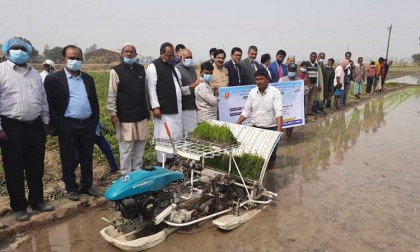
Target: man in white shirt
(48,66)
(24,117)
(166,91)
(339,81)
(264,105)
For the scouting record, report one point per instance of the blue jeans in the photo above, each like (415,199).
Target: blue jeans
(344,96)
(103,145)
(106,149)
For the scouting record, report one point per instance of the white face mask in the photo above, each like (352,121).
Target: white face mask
(188,62)
(302,70)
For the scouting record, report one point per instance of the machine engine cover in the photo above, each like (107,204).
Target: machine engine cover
(142,181)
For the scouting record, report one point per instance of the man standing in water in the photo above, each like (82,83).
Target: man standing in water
(264,105)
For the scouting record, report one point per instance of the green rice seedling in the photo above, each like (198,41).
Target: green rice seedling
(249,164)
(215,134)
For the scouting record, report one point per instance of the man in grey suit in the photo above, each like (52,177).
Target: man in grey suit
(250,66)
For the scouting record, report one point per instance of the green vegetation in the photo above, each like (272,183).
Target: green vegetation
(250,165)
(214,133)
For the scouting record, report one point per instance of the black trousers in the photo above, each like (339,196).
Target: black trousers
(77,137)
(23,156)
(369,84)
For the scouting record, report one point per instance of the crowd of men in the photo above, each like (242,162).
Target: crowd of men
(64,104)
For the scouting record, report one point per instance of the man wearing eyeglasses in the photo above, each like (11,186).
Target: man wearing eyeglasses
(128,106)
(74,113)
(236,73)
(165,90)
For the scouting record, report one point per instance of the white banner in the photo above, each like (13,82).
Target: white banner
(233,99)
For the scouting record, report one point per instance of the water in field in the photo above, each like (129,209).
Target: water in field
(412,79)
(350,182)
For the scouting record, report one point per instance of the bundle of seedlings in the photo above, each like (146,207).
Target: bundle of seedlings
(215,134)
(249,164)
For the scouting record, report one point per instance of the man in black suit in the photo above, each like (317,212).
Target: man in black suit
(74,113)
(250,66)
(235,71)
(265,62)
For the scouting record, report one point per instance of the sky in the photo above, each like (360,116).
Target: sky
(298,27)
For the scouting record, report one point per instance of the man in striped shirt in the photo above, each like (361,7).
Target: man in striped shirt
(23,119)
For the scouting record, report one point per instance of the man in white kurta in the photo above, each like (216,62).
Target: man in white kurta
(172,90)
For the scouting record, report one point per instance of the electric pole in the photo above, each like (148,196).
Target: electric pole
(389,38)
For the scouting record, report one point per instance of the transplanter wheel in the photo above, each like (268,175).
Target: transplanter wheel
(147,207)
(129,209)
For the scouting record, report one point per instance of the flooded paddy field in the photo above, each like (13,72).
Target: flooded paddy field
(349,182)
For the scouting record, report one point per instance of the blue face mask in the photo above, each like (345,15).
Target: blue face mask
(207,77)
(130,61)
(291,74)
(18,56)
(188,62)
(74,65)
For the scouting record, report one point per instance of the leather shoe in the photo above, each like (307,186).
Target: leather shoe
(73,196)
(22,216)
(89,191)
(43,207)
(2,225)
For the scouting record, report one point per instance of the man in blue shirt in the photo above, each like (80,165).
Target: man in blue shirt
(74,113)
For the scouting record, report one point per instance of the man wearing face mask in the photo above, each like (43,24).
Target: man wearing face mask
(178,50)
(23,120)
(128,105)
(166,91)
(74,112)
(277,68)
(206,97)
(47,67)
(188,77)
(291,76)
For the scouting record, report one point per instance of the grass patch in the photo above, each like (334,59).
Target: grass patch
(392,83)
(215,134)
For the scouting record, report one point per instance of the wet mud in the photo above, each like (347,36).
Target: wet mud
(349,182)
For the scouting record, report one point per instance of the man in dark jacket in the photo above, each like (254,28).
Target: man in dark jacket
(74,113)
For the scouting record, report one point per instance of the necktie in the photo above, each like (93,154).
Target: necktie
(237,72)
(280,72)
(253,65)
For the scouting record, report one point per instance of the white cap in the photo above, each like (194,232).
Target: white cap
(49,62)
(128,44)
